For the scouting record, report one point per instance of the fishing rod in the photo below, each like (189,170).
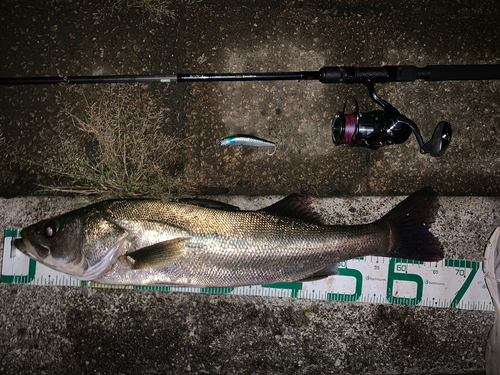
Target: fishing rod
(373,129)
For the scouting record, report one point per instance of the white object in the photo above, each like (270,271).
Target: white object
(492,276)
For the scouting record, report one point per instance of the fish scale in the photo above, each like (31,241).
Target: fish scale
(224,259)
(163,243)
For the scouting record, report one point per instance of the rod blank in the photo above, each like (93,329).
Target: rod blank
(396,73)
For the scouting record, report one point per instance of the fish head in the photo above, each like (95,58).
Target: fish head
(56,242)
(81,244)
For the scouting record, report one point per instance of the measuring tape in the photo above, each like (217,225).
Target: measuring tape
(449,283)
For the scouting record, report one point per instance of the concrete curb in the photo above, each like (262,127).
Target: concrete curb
(81,330)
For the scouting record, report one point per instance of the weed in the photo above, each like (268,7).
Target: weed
(116,145)
(154,10)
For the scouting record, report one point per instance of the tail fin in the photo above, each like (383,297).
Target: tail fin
(410,221)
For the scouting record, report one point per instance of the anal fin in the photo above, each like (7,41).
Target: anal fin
(159,254)
(322,273)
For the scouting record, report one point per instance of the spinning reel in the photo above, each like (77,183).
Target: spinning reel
(385,127)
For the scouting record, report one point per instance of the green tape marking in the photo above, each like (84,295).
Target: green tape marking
(359,286)
(474,267)
(21,279)
(294,287)
(398,271)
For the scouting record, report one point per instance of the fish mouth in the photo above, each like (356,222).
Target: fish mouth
(19,244)
(26,247)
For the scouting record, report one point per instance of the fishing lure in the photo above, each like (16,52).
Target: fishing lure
(246,140)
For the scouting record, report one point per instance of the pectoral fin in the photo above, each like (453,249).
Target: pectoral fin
(159,254)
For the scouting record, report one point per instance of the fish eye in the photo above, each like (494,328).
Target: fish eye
(49,230)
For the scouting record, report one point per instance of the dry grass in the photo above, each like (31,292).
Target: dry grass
(156,11)
(115,145)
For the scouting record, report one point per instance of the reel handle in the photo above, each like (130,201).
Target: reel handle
(440,140)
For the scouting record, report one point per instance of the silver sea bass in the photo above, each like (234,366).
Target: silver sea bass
(201,243)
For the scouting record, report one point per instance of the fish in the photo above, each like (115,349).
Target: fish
(211,244)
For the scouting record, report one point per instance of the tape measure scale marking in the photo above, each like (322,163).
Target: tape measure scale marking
(449,283)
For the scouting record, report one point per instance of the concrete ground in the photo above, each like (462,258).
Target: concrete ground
(71,330)
(84,38)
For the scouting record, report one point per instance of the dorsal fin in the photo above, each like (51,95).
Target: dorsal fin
(293,206)
(209,203)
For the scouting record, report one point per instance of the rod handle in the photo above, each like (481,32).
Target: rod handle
(347,74)
(408,73)
(463,72)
